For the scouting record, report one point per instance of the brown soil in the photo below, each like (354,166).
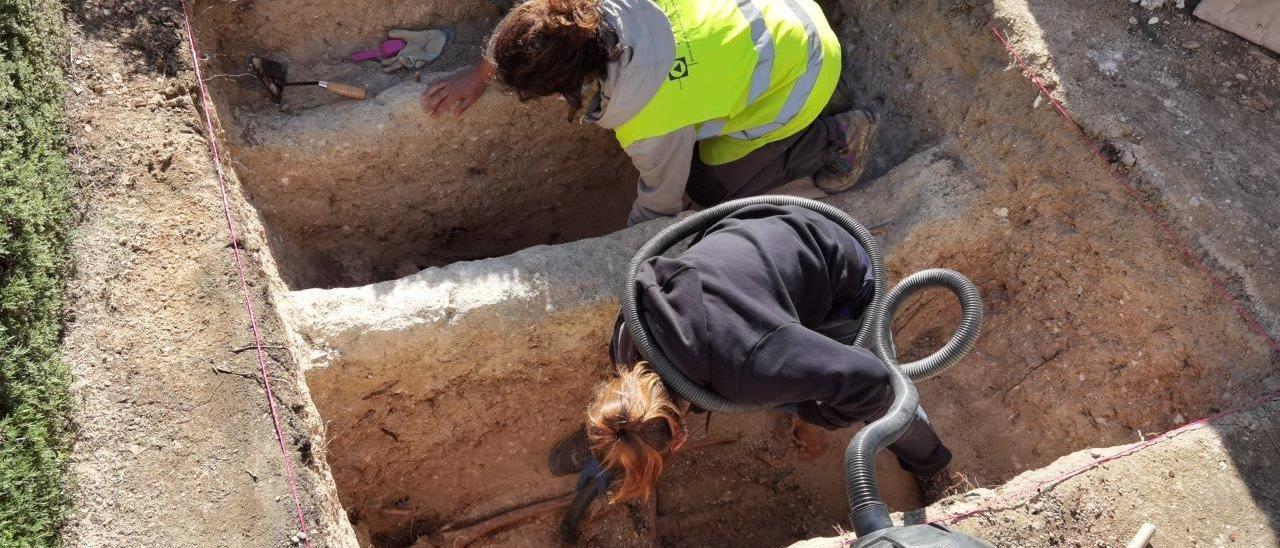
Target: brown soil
(453,440)
(1097,329)
(359,192)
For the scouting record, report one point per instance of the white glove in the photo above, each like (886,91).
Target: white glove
(420,47)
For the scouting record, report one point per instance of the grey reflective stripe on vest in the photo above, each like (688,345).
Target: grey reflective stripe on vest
(711,128)
(803,86)
(764,49)
(762,42)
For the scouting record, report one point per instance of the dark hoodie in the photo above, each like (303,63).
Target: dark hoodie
(753,308)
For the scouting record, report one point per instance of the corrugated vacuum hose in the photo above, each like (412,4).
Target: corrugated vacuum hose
(867,511)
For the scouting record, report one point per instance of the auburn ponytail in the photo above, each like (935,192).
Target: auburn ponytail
(632,425)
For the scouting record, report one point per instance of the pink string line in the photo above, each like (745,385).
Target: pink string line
(216,151)
(1038,488)
(1132,191)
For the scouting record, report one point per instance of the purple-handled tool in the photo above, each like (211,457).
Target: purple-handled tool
(386,50)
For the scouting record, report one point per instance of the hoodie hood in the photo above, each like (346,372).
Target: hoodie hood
(648,50)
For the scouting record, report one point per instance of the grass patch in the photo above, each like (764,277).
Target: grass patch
(34,198)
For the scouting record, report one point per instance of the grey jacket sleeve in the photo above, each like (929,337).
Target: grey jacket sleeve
(663,163)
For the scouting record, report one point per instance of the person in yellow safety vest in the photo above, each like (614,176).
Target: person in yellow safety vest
(716,99)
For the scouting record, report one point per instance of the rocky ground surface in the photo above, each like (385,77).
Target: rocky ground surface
(173,445)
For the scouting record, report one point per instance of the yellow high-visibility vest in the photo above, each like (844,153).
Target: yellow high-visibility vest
(746,73)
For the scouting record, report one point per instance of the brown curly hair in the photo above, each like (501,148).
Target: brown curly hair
(547,47)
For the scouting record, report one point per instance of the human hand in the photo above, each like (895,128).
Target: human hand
(458,92)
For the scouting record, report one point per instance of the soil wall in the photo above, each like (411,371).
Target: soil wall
(355,192)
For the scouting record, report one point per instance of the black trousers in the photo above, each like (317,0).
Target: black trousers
(919,449)
(767,167)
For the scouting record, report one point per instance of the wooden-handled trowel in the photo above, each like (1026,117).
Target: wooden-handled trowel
(274,75)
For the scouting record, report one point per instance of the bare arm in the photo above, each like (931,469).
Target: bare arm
(458,92)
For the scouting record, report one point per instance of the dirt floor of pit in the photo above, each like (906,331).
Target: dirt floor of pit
(156,320)
(420,448)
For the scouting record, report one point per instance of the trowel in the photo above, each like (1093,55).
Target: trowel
(274,76)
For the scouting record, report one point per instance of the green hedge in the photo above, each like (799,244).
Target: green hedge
(34,189)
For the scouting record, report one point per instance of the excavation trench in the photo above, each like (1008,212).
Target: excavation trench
(354,192)
(443,380)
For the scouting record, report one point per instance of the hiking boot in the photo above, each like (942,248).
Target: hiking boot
(593,481)
(859,127)
(569,454)
(935,487)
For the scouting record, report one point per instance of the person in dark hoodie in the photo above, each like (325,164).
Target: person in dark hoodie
(713,99)
(758,309)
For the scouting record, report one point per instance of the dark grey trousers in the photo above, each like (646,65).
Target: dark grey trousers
(767,167)
(919,449)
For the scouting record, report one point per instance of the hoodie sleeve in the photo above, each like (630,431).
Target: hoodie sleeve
(663,163)
(833,384)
